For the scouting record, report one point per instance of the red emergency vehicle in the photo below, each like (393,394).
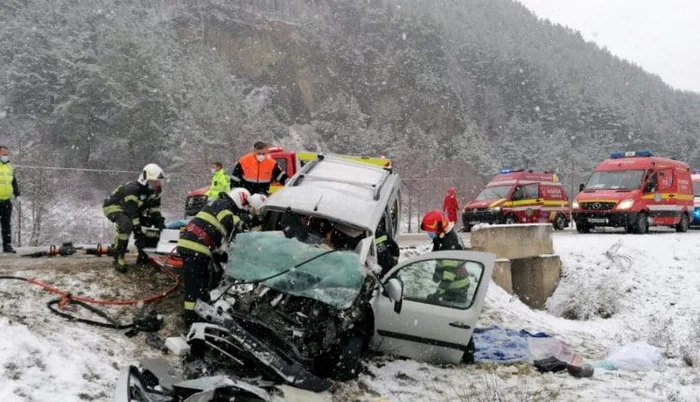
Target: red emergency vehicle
(634,190)
(289,161)
(520,196)
(696,192)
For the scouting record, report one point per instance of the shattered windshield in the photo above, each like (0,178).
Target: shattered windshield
(616,180)
(492,193)
(333,278)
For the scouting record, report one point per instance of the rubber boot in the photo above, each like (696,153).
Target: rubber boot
(7,248)
(120,263)
(142,260)
(189,317)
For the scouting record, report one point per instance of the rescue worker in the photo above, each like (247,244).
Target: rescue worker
(254,220)
(256,170)
(8,188)
(451,276)
(125,206)
(450,205)
(220,182)
(201,240)
(387,250)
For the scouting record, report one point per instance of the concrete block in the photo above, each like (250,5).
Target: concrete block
(502,275)
(535,279)
(514,241)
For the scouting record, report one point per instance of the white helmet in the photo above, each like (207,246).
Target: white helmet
(257,201)
(151,172)
(240,197)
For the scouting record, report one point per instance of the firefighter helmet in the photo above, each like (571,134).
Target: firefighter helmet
(152,173)
(241,197)
(257,201)
(434,221)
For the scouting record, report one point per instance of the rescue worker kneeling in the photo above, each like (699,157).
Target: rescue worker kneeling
(209,231)
(451,276)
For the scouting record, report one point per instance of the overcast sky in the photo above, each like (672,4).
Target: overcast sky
(661,36)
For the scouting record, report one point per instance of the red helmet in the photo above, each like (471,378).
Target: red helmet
(434,221)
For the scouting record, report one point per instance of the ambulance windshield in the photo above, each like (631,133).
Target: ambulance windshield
(616,180)
(492,193)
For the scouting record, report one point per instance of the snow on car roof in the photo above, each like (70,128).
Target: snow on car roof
(339,189)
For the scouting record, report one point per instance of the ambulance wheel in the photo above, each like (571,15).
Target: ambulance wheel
(559,222)
(641,225)
(684,224)
(509,219)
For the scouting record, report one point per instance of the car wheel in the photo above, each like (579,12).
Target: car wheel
(509,220)
(348,362)
(684,224)
(641,225)
(559,222)
(468,357)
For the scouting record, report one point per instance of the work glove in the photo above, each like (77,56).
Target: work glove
(220,256)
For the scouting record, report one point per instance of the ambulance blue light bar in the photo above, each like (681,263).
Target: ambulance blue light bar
(504,171)
(629,154)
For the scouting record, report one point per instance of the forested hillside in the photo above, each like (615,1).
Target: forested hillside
(448,89)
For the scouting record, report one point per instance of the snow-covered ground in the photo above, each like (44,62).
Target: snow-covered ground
(649,285)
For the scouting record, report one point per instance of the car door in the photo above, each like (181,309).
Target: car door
(426,329)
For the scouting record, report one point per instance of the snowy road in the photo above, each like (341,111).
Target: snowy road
(649,283)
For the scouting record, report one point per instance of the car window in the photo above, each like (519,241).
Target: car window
(394,214)
(531,191)
(447,283)
(665,179)
(283,164)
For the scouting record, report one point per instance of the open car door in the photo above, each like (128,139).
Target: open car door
(414,319)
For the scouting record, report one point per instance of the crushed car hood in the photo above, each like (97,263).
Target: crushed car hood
(290,266)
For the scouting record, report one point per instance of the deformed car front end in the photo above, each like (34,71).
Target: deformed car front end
(307,316)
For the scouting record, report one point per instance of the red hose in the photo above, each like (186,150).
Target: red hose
(127,302)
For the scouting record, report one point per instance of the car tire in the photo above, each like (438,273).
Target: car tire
(559,222)
(641,225)
(347,365)
(468,357)
(684,224)
(509,219)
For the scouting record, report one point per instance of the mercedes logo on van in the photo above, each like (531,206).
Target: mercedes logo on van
(596,205)
(475,210)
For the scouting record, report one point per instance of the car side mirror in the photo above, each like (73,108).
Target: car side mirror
(394,289)
(648,187)
(581,187)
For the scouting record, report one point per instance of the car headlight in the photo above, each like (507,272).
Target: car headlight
(495,209)
(625,204)
(574,205)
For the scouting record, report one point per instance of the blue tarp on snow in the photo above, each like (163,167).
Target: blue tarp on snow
(501,345)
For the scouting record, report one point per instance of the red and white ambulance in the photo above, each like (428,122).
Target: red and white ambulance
(635,190)
(520,196)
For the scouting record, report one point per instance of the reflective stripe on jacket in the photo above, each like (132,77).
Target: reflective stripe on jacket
(215,223)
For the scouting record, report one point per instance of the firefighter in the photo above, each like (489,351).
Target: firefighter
(255,171)
(220,182)
(8,188)
(125,206)
(387,250)
(450,205)
(451,276)
(201,241)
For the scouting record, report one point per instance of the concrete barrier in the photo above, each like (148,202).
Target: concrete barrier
(513,241)
(502,275)
(535,279)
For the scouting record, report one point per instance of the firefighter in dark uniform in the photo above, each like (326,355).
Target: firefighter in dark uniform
(452,277)
(200,241)
(125,206)
(256,170)
(387,250)
(151,216)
